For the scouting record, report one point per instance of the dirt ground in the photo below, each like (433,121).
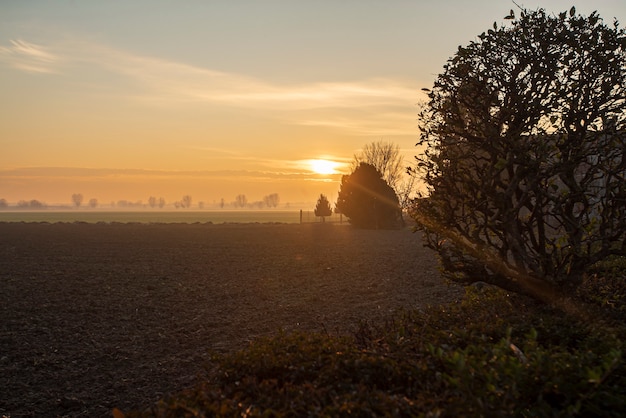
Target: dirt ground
(97,316)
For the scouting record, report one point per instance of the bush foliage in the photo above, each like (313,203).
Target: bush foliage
(524,136)
(491,354)
(367,200)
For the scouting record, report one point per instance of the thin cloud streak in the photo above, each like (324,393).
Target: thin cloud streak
(213,150)
(169,83)
(27,56)
(376,107)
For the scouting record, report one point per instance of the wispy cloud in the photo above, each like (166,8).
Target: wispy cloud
(158,81)
(380,122)
(28,57)
(218,151)
(172,81)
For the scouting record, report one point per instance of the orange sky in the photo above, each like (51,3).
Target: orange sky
(122,100)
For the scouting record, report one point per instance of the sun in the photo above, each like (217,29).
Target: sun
(323,166)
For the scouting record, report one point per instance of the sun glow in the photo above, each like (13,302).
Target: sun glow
(323,166)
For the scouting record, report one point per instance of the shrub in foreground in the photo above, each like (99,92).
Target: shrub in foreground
(492,354)
(524,141)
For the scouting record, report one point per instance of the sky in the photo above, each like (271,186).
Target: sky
(122,100)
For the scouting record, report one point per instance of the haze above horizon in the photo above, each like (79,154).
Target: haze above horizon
(122,100)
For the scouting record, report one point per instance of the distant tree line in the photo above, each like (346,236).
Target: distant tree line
(24,204)
(127,204)
(77,200)
(241,202)
(31,204)
(270,201)
(184,203)
(154,202)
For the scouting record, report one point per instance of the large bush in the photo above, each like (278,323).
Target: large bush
(524,161)
(367,200)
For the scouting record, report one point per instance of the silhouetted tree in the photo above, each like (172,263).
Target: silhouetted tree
(272,200)
(186,201)
(129,204)
(323,209)
(161,202)
(241,201)
(367,200)
(525,139)
(36,204)
(406,189)
(3,204)
(152,201)
(93,203)
(77,199)
(386,158)
(32,204)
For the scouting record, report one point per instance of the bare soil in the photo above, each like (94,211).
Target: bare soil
(97,316)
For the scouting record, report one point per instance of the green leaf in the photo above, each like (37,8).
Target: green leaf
(572,11)
(501,164)
(594,376)
(495,25)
